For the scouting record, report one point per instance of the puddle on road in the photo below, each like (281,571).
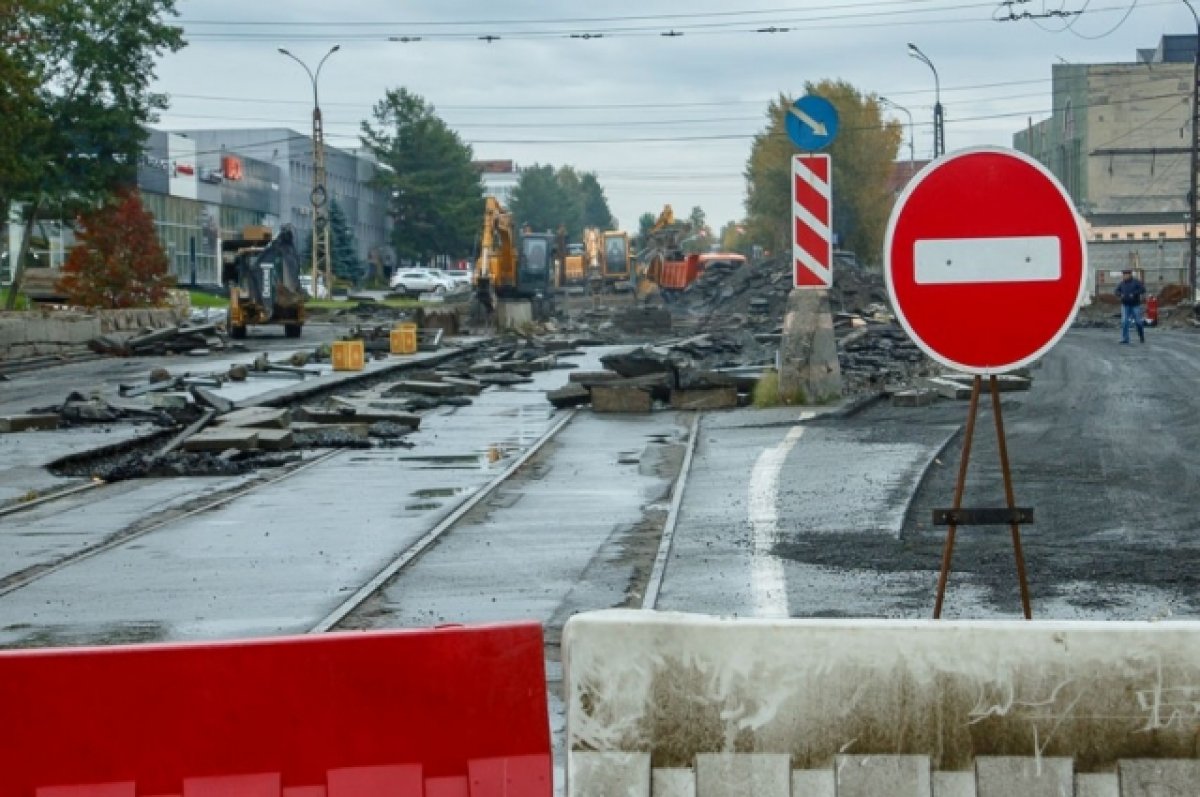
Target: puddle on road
(439,492)
(448,461)
(423,507)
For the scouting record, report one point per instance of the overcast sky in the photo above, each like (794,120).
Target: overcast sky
(659,119)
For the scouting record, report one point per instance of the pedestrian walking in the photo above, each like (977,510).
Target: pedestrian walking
(1130,290)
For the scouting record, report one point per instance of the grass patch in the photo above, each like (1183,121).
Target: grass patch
(23,302)
(204,301)
(766,393)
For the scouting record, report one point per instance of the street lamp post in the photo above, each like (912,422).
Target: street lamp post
(939,132)
(322,261)
(1195,147)
(912,147)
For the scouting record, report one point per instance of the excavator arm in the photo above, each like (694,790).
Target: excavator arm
(497,264)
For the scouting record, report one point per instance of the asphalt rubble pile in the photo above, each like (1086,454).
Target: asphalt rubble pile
(732,317)
(196,339)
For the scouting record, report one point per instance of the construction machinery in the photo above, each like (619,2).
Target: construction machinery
(512,268)
(263,277)
(662,265)
(580,263)
(616,259)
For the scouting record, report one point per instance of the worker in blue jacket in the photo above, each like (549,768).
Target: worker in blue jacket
(1130,291)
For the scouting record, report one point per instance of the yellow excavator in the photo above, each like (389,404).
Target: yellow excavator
(512,268)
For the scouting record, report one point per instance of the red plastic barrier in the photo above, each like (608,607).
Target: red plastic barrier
(448,711)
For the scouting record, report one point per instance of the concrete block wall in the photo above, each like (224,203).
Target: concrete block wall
(50,333)
(880,708)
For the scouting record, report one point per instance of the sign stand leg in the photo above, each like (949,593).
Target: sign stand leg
(959,487)
(956,516)
(1008,495)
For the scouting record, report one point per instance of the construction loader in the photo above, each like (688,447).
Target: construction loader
(263,278)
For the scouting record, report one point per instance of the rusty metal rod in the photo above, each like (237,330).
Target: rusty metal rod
(1002,445)
(959,488)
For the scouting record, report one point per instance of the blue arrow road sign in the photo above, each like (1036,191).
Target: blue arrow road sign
(812,122)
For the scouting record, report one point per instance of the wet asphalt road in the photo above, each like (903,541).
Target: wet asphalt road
(1104,448)
(822,518)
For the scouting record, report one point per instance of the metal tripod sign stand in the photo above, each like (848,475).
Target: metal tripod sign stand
(975,236)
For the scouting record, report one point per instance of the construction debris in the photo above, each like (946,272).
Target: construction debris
(207,337)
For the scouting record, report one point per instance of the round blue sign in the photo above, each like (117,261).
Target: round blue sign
(812,122)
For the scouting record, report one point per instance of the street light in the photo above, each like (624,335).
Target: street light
(1195,147)
(320,193)
(912,147)
(939,133)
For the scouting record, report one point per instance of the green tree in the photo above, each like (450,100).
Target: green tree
(118,260)
(596,212)
(436,194)
(547,198)
(84,70)
(862,157)
(701,237)
(343,249)
(538,200)
(645,224)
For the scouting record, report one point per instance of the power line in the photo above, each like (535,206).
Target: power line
(561,20)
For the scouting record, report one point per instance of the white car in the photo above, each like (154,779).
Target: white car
(306,286)
(460,278)
(415,281)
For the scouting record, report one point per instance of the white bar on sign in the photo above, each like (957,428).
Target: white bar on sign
(948,261)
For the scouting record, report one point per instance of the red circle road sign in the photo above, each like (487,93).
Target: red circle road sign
(985,260)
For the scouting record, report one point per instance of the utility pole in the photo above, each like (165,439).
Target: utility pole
(1195,147)
(939,130)
(322,261)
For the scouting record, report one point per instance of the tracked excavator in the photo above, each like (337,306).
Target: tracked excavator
(512,269)
(263,278)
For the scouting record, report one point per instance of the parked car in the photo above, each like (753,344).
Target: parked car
(459,277)
(306,286)
(415,281)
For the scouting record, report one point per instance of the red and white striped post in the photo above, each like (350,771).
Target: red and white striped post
(812,222)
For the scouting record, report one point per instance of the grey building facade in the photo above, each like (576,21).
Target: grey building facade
(1120,141)
(349,176)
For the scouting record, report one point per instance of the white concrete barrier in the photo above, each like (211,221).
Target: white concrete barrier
(1001,700)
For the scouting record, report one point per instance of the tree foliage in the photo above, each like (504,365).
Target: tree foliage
(343,249)
(862,157)
(118,260)
(82,71)
(701,237)
(436,194)
(546,198)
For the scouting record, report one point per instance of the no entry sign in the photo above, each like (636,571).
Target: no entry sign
(985,260)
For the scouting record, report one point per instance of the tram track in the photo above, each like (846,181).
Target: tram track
(31,575)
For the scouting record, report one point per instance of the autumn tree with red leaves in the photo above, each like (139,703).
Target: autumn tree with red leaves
(118,260)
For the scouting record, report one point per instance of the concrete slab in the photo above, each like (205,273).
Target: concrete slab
(257,417)
(674,782)
(1161,777)
(947,388)
(222,439)
(608,398)
(719,398)
(29,422)
(873,775)
(813,783)
(616,774)
(1097,785)
(954,784)
(742,774)
(914,398)
(275,439)
(1004,776)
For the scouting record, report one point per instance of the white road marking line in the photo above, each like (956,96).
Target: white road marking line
(766,570)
